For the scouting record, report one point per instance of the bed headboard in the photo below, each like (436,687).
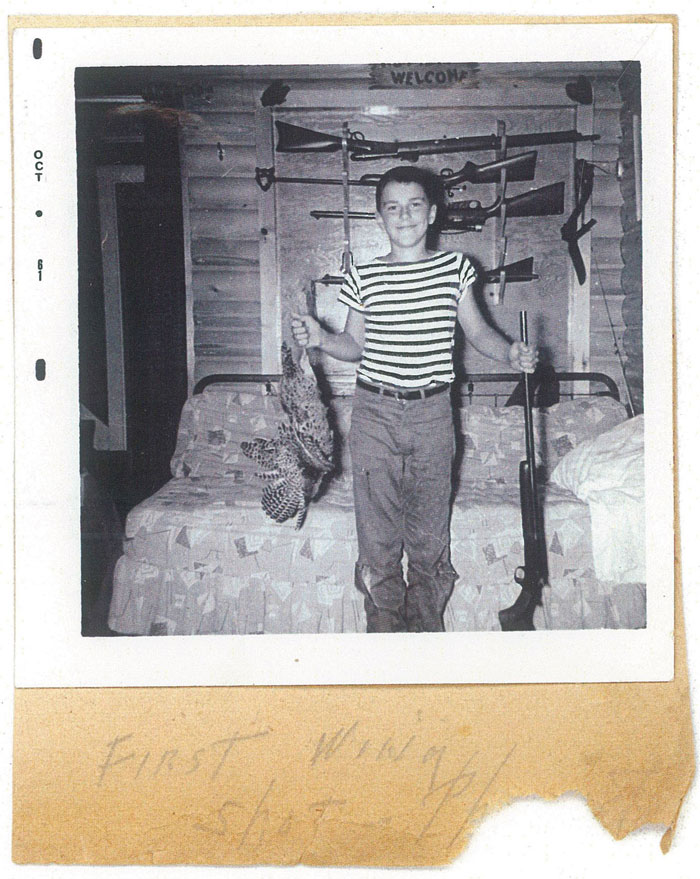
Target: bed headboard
(235,378)
(583,384)
(606,386)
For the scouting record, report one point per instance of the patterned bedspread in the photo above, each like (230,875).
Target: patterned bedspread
(201,557)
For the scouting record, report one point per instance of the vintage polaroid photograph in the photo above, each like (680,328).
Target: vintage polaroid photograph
(346,355)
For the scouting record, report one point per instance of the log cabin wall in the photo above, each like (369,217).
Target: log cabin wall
(631,245)
(253,256)
(607,207)
(220,207)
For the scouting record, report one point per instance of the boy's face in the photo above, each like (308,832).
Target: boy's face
(405,213)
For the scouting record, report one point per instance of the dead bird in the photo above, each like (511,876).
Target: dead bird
(294,463)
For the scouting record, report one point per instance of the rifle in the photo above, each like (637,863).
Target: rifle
(570,232)
(518,168)
(515,272)
(470,216)
(533,575)
(295,139)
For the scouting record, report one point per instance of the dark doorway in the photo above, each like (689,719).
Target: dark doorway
(153,302)
(152,338)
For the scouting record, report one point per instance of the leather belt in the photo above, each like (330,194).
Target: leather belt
(418,394)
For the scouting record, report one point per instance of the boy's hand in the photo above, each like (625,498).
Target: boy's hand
(306,331)
(522,357)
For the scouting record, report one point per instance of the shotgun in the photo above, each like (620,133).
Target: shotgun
(470,216)
(533,575)
(518,168)
(295,139)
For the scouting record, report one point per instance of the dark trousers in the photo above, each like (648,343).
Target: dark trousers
(402,452)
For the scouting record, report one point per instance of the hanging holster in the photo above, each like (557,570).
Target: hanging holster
(570,231)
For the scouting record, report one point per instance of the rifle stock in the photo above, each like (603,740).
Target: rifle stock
(517,168)
(296,139)
(516,272)
(533,574)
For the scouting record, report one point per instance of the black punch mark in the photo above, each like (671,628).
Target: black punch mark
(37,48)
(40,370)
(39,213)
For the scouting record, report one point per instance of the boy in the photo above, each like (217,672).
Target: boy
(403,307)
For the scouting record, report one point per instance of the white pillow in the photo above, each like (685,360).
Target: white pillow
(608,473)
(614,460)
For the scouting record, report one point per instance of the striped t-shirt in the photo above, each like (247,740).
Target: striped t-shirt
(410,310)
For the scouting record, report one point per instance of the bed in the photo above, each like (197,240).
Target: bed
(201,557)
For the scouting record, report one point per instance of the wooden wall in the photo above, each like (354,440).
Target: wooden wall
(221,212)
(631,244)
(253,255)
(606,323)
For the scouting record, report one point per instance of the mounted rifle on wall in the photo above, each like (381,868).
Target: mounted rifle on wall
(295,139)
(471,215)
(518,168)
(516,273)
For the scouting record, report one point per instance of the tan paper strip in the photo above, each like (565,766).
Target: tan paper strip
(324,775)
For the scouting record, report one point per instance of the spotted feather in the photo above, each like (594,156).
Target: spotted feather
(294,463)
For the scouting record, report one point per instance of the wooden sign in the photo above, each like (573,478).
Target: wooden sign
(416,76)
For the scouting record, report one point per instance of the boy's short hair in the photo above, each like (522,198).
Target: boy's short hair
(411,174)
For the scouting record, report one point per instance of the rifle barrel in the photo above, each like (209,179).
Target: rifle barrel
(328,181)
(354,215)
(529,432)
(368,150)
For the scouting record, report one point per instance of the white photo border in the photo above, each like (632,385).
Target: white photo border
(49,649)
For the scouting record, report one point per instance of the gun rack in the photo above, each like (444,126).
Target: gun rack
(500,170)
(346,263)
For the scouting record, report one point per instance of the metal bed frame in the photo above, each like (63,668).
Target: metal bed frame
(465,383)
